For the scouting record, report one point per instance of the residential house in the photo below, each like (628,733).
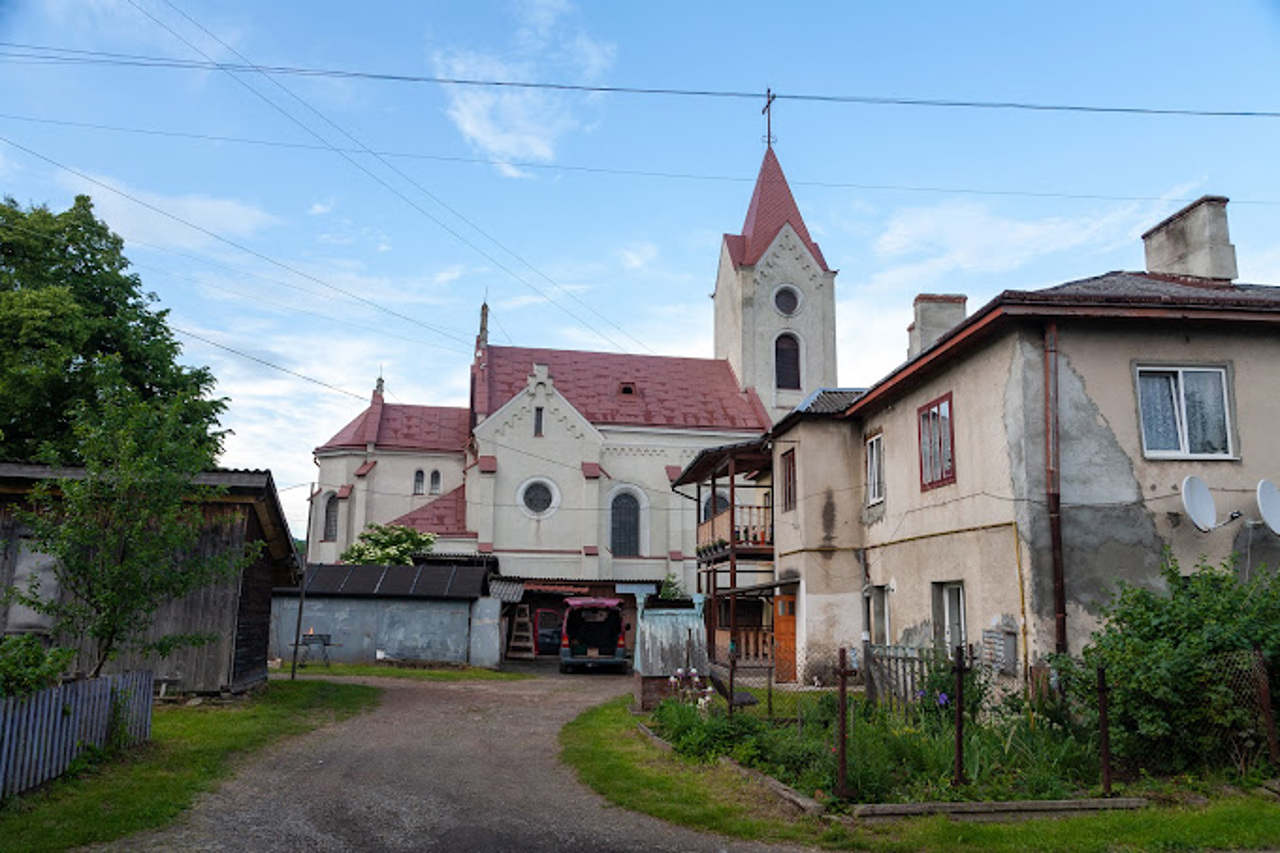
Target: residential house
(237,611)
(994,489)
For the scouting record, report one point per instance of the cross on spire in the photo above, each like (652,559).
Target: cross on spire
(770,97)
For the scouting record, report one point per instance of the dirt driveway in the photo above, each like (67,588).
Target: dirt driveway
(459,766)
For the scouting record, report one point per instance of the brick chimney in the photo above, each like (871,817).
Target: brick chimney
(1193,242)
(936,314)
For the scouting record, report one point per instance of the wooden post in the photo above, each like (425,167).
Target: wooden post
(1104,730)
(868,676)
(959,669)
(842,734)
(1268,715)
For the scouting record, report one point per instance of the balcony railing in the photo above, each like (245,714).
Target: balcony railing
(743,525)
(755,645)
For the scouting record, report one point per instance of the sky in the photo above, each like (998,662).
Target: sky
(316,207)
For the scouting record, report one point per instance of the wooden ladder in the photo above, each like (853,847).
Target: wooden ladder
(522,645)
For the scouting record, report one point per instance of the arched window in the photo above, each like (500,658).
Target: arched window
(625,541)
(714,505)
(330,519)
(786,361)
(418,482)
(435,482)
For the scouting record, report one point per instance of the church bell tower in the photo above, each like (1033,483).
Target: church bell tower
(775,299)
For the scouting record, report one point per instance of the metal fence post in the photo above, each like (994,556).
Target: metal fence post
(733,667)
(1104,730)
(960,669)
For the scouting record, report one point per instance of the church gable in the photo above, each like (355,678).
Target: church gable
(537,411)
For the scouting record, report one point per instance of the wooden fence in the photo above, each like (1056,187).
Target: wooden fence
(41,734)
(895,675)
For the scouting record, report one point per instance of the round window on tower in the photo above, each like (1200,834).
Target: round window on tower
(787,300)
(538,498)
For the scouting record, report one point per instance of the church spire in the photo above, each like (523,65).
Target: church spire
(772,206)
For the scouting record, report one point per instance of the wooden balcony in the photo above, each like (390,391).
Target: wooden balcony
(755,646)
(749,529)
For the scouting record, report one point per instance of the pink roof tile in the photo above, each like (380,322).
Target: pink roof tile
(344,492)
(487,464)
(446,515)
(772,206)
(674,472)
(591,470)
(591,550)
(687,393)
(366,467)
(392,426)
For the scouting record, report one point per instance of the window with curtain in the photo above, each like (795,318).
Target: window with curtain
(937,436)
(625,538)
(1184,411)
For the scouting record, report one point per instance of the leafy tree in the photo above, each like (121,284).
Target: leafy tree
(1172,660)
(25,665)
(388,545)
(67,304)
(124,529)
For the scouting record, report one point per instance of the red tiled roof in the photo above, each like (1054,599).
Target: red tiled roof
(772,206)
(446,515)
(368,466)
(391,426)
(591,470)
(488,464)
(686,393)
(673,472)
(344,492)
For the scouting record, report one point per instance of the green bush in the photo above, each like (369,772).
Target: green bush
(25,665)
(1169,663)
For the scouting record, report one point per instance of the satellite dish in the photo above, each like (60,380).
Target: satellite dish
(1198,503)
(1269,504)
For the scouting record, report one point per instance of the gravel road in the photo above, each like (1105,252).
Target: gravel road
(447,766)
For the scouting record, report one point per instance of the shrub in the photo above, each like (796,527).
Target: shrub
(25,665)
(1171,704)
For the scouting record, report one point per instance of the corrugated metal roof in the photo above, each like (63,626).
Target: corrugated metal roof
(829,401)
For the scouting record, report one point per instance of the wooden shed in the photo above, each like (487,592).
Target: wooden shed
(237,611)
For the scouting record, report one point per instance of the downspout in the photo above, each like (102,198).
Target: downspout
(1052,483)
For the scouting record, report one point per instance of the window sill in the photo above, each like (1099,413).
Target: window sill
(1190,457)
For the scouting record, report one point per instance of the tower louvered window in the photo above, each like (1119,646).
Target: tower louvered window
(786,354)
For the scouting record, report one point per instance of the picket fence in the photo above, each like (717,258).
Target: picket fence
(41,734)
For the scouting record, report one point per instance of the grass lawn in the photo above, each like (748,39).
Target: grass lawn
(413,673)
(613,757)
(191,749)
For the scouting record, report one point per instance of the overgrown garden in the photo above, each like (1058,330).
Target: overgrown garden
(1187,690)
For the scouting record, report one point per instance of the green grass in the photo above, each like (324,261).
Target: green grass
(609,754)
(191,749)
(413,673)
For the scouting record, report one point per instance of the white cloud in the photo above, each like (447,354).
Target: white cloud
(449,275)
(525,124)
(319,208)
(225,217)
(965,237)
(638,255)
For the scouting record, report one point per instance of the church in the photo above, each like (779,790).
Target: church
(560,470)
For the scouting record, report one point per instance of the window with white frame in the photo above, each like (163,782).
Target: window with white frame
(1184,412)
(419,481)
(880,633)
(937,438)
(435,482)
(875,469)
(948,614)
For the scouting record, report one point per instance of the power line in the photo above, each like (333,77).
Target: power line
(604,170)
(263,361)
(232,243)
(48,54)
(365,149)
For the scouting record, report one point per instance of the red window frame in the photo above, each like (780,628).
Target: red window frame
(937,444)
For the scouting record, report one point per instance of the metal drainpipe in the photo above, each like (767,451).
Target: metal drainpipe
(1053,495)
